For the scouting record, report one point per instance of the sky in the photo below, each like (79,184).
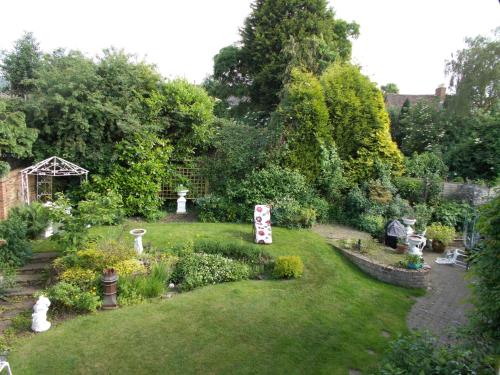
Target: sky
(401,41)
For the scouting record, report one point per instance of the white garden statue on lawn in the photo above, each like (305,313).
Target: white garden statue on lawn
(40,323)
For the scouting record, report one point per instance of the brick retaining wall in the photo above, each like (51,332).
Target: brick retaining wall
(10,191)
(389,274)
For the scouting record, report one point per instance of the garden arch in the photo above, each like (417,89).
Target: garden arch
(44,172)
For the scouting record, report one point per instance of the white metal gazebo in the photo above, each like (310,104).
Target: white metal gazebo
(45,171)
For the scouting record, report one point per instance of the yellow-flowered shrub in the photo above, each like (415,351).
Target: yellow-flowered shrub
(85,279)
(129,267)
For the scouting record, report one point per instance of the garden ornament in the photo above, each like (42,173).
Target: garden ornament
(5,365)
(416,244)
(40,323)
(138,233)
(181,202)
(262,223)
(109,280)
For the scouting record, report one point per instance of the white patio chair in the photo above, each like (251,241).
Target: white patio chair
(452,257)
(5,365)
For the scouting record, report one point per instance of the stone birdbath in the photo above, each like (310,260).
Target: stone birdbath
(138,233)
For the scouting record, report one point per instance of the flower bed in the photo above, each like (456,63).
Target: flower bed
(389,274)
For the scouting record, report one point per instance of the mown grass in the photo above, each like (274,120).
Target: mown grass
(325,323)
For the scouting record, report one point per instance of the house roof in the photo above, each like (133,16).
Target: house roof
(397,100)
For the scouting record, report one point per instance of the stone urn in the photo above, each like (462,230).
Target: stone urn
(415,242)
(409,222)
(181,202)
(138,233)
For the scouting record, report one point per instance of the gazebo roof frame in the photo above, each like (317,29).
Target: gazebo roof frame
(55,166)
(51,167)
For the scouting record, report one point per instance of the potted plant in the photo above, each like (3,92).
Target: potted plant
(441,236)
(414,261)
(181,190)
(402,246)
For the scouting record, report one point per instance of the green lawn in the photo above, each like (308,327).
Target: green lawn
(324,323)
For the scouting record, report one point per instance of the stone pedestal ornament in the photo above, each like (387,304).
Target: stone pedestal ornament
(409,222)
(416,243)
(109,280)
(40,323)
(181,202)
(138,233)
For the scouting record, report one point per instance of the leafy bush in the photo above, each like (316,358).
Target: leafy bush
(486,269)
(441,233)
(96,257)
(249,253)
(423,215)
(453,214)
(129,267)
(373,224)
(4,168)
(102,209)
(71,297)
(287,191)
(85,279)
(7,278)
(290,214)
(138,174)
(35,216)
(410,188)
(17,249)
(195,270)
(419,353)
(286,267)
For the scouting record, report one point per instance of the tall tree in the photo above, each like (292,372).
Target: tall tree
(359,122)
(390,88)
(303,120)
(19,66)
(277,30)
(475,75)
(16,139)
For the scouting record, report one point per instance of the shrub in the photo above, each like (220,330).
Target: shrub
(453,214)
(96,257)
(129,267)
(128,293)
(441,233)
(419,353)
(486,269)
(286,267)
(195,270)
(102,209)
(410,188)
(85,279)
(17,249)
(71,297)
(35,216)
(287,191)
(290,214)
(373,224)
(423,215)
(4,168)
(241,251)
(7,278)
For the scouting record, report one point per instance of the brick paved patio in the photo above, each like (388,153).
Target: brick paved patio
(445,304)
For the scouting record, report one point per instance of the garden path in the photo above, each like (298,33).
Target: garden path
(445,304)
(29,280)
